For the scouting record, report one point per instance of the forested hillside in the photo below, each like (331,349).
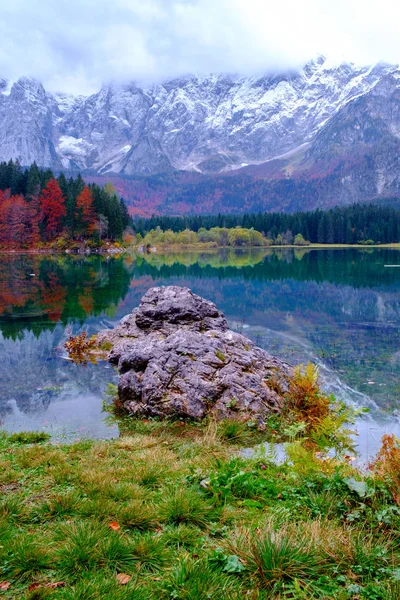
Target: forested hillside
(38,208)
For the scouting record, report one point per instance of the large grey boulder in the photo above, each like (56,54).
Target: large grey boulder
(177,358)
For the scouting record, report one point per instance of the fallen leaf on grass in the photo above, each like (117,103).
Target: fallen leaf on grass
(49,586)
(123,578)
(4,585)
(114,526)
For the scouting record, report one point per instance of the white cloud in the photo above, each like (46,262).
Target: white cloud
(76,45)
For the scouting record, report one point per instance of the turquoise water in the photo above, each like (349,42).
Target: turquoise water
(337,308)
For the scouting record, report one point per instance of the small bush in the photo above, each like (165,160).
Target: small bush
(306,402)
(80,348)
(387,464)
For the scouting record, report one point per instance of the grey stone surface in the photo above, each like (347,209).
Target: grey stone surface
(177,358)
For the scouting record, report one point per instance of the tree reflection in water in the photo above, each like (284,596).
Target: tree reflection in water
(342,304)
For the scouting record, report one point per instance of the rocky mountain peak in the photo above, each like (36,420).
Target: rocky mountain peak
(210,124)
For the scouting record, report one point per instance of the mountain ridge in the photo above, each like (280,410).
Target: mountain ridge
(334,127)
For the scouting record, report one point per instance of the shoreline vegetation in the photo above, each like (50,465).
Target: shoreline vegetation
(173,510)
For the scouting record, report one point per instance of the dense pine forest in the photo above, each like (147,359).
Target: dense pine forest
(38,208)
(358,223)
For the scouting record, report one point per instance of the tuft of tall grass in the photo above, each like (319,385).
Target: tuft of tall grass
(137,514)
(149,551)
(277,558)
(234,431)
(181,536)
(115,553)
(192,579)
(185,505)
(11,507)
(103,586)
(26,557)
(150,474)
(60,506)
(79,549)
(38,456)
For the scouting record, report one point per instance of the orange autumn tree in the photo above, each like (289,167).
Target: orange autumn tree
(52,206)
(85,218)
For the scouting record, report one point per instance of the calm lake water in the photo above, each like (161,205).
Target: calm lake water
(337,308)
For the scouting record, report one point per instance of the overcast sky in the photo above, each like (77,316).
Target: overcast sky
(76,45)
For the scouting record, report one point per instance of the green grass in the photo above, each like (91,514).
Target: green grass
(29,437)
(194,520)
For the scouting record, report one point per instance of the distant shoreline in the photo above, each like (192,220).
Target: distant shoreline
(207,247)
(198,247)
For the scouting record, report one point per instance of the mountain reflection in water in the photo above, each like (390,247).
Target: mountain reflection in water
(339,308)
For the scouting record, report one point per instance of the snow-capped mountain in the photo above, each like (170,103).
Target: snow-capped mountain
(211,123)
(300,124)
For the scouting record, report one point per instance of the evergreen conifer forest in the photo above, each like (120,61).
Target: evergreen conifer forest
(354,224)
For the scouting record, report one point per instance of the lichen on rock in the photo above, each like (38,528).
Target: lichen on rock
(177,358)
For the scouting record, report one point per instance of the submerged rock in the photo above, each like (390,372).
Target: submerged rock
(177,358)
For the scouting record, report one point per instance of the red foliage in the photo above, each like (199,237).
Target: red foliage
(32,218)
(52,205)
(19,223)
(53,297)
(84,213)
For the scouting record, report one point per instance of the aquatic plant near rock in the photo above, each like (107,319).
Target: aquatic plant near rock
(387,464)
(80,348)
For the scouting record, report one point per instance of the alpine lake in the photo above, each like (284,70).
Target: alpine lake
(338,308)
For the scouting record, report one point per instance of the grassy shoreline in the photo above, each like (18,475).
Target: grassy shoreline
(177,512)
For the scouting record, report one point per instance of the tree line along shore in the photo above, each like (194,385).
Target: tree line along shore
(40,211)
